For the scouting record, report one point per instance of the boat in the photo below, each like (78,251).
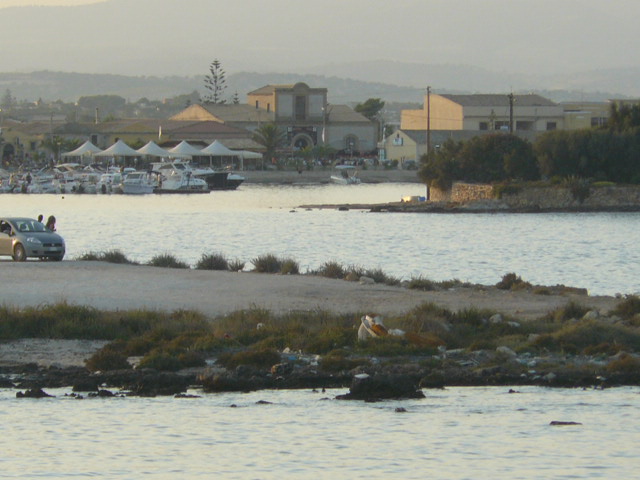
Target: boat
(219,179)
(110,182)
(178,177)
(138,183)
(346,175)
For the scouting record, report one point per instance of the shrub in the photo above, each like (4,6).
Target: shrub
(331,270)
(107,359)
(214,261)
(502,189)
(337,361)
(628,308)
(255,358)
(289,267)
(160,361)
(236,265)
(380,277)
(266,264)
(110,256)
(511,281)
(167,260)
(421,283)
(570,311)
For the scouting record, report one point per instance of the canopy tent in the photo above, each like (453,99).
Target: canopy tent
(217,149)
(184,149)
(86,149)
(118,149)
(248,155)
(152,149)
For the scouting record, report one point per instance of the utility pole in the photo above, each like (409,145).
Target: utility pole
(511,100)
(428,120)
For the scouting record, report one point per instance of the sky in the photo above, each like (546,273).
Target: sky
(163,37)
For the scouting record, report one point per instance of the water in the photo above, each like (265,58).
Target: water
(457,433)
(597,251)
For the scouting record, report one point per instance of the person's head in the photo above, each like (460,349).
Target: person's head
(51,220)
(40,218)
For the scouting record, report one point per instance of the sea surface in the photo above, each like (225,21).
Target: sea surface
(597,251)
(457,433)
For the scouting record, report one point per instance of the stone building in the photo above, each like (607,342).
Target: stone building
(300,111)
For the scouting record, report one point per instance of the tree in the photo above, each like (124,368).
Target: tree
(370,108)
(8,100)
(270,137)
(215,83)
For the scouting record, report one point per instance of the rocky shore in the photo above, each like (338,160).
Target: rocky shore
(31,366)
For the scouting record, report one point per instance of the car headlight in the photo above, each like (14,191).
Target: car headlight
(33,241)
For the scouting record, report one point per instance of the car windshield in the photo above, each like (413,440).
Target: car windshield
(30,226)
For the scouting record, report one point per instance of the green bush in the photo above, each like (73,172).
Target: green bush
(628,308)
(160,361)
(331,269)
(511,281)
(268,263)
(289,267)
(264,359)
(236,265)
(107,359)
(214,261)
(110,256)
(166,260)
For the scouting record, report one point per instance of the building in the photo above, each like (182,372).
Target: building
(522,114)
(300,111)
(578,115)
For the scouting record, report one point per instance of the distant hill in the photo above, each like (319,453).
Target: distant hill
(68,87)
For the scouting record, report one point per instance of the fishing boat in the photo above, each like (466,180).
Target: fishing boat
(177,177)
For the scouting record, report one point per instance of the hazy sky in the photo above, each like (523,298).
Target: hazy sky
(163,37)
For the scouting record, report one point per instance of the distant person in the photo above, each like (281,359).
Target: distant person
(51,223)
(40,218)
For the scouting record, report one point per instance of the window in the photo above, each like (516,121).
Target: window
(484,126)
(301,107)
(551,125)
(524,126)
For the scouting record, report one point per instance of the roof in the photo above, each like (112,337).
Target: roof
(499,100)
(344,113)
(239,112)
(269,89)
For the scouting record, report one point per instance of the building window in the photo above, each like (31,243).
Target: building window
(500,125)
(552,125)
(268,107)
(524,126)
(598,121)
(257,104)
(484,125)
(301,107)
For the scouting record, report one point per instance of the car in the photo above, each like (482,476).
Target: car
(22,238)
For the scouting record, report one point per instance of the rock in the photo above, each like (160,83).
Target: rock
(556,423)
(382,387)
(497,318)
(549,377)
(367,281)
(591,315)
(352,277)
(282,369)
(506,351)
(33,393)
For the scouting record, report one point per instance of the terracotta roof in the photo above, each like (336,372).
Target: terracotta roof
(240,112)
(270,89)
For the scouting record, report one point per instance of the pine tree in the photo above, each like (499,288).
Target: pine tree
(215,83)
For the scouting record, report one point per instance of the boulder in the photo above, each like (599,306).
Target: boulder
(382,387)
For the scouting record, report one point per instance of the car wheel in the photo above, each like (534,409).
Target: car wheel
(57,258)
(19,253)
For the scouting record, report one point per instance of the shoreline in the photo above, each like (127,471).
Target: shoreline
(39,363)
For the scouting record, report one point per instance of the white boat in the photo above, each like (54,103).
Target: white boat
(138,183)
(177,177)
(216,179)
(110,183)
(345,175)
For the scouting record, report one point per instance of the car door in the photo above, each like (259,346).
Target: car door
(5,238)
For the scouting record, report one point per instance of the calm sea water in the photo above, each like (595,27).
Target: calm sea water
(598,251)
(457,433)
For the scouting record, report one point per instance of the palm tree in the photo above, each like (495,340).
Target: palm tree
(270,137)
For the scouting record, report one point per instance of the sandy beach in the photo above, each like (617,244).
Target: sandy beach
(123,287)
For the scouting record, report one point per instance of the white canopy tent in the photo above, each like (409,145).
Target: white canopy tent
(118,149)
(152,149)
(184,149)
(248,155)
(87,149)
(217,149)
